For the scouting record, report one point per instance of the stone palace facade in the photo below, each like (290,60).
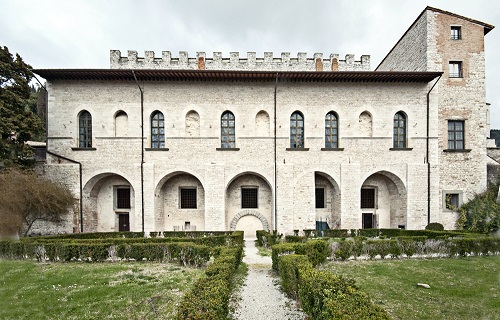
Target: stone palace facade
(286,143)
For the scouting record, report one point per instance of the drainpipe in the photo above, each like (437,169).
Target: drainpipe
(142,149)
(275,159)
(81,184)
(427,155)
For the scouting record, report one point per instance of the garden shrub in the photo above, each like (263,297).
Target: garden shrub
(317,251)
(343,249)
(284,249)
(266,239)
(290,238)
(289,267)
(336,233)
(369,233)
(436,226)
(324,295)
(208,300)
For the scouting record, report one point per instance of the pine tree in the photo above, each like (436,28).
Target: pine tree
(18,122)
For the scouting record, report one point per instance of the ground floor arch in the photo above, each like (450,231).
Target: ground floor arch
(383,201)
(109,204)
(327,201)
(180,203)
(249,203)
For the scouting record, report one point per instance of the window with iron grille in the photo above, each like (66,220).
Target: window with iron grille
(85,130)
(455,69)
(331,130)
(157,130)
(123,198)
(367,198)
(456,135)
(399,130)
(456,33)
(320,198)
(188,198)
(249,198)
(227,124)
(297,130)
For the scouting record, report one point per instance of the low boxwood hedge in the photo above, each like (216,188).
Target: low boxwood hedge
(324,295)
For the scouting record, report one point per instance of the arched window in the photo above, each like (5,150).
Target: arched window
(85,130)
(227,124)
(157,130)
(331,130)
(297,130)
(400,130)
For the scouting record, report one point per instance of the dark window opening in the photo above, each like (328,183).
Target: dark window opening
(228,133)
(399,130)
(123,198)
(249,198)
(331,131)
(455,69)
(320,198)
(456,33)
(85,130)
(367,198)
(452,201)
(188,198)
(456,135)
(157,130)
(296,130)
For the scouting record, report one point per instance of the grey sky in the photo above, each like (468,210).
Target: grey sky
(80,33)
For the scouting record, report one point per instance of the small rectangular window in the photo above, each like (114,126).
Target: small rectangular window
(456,33)
(456,135)
(452,201)
(123,198)
(320,198)
(249,198)
(188,198)
(368,198)
(455,69)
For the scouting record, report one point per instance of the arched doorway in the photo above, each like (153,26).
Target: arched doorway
(109,204)
(383,201)
(327,201)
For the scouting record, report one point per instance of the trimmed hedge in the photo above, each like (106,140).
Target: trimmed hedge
(324,295)
(410,246)
(317,251)
(209,298)
(266,239)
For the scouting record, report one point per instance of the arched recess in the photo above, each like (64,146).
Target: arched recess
(109,204)
(249,203)
(192,124)
(262,124)
(179,203)
(244,213)
(327,200)
(365,124)
(121,124)
(389,205)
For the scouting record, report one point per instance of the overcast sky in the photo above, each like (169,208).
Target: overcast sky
(80,33)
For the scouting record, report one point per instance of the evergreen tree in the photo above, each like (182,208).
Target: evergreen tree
(18,122)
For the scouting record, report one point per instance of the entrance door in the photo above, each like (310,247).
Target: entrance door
(367,220)
(123,222)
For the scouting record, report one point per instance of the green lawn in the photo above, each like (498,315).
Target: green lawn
(464,288)
(129,290)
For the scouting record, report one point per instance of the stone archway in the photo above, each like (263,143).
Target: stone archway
(254,213)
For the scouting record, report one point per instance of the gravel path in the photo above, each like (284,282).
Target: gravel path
(261,298)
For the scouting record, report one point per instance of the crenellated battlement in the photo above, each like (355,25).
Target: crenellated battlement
(235,62)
